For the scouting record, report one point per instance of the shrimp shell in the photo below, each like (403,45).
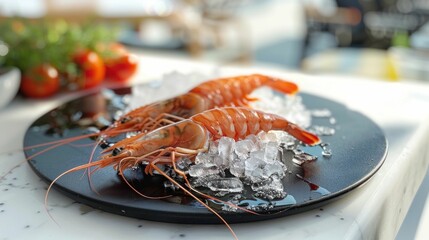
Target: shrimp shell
(224,92)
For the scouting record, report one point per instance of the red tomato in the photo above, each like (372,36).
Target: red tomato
(122,68)
(40,81)
(111,49)
(117,48)
(92,67)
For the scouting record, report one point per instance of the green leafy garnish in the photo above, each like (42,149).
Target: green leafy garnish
(33,42)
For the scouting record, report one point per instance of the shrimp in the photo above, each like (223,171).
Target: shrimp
(187,138)
(231,91)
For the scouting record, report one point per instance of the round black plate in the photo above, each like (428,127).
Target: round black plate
(358,150)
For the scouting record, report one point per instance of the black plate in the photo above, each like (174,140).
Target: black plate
(358,150)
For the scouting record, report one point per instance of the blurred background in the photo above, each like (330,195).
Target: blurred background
(373,38)
(386,40)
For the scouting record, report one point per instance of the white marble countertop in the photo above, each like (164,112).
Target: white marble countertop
(372,211)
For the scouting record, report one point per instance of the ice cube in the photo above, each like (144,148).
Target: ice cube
(275,168)
(283,137)
(267,137)
(203,158)
(323,130)
(226,148)
(327,152)
(230,185)
(301,157)
(289,145)
(203,169)
(255,175)
(237,168)
(257,155)
(255,161)
(297,151)
(166,87)
(256,142)
(271,188)
(221,162)
(271,151)
(243,148)
(289,107)
(213,148)
(203,180)
(261,185)
(324,112)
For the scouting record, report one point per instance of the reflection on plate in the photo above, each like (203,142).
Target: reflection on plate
(358,146)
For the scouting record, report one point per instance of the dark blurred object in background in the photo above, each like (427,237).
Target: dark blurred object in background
(365,23)
(382,39)
(276,32)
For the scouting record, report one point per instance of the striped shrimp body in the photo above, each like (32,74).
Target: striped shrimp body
(159,113)
(234,91)
(240,122)
(190,136)
(223,92)
(187,138)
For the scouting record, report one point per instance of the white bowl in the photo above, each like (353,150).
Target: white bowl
(10,79)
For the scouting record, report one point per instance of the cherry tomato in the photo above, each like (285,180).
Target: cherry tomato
(92,68)
(122,68)
(117,48)
(109,50)
(40,82)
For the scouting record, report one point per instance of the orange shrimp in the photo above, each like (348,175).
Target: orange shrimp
(187,138)
(231,91)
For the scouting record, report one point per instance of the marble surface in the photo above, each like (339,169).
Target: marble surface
(372,211)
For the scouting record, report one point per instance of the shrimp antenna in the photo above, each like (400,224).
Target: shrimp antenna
(77,168)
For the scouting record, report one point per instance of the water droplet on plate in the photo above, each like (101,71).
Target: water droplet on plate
(327,153)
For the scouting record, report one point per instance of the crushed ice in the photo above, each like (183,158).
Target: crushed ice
(287,106)
(253,161)
(326,151)
(322,130)
(165,87)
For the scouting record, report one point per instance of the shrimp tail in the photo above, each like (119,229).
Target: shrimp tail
(283,86)
(297,132)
